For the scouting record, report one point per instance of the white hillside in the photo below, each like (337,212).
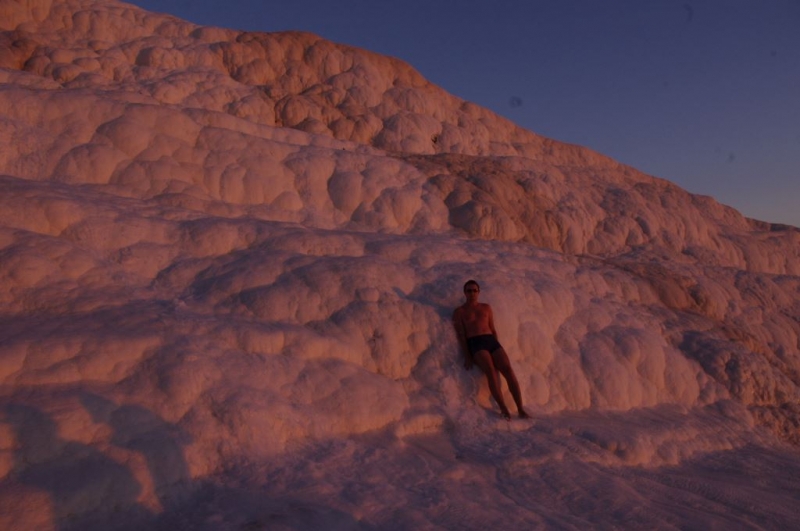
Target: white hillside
(228,263)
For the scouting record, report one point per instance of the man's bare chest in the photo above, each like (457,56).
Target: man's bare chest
(475,315)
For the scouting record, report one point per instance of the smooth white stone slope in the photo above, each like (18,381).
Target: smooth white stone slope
(228,262)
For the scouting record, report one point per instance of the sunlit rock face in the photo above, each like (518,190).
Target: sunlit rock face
(229,254)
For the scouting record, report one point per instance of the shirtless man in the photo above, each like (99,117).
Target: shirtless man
(474,325)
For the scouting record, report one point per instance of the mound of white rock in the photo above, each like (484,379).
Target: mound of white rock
(217,247)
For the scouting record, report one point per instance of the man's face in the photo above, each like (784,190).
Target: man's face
(471,292)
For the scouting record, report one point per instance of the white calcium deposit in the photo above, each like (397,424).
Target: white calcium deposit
(228,263)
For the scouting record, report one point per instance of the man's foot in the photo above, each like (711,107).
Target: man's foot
(505,413)
(523,414)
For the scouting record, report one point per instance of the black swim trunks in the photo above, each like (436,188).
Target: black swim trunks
(484,342)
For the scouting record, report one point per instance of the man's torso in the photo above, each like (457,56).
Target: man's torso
(475,319)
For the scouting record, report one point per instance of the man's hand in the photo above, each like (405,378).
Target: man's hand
(467,363)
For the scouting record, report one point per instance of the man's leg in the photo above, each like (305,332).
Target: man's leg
(502,364)
(483,360)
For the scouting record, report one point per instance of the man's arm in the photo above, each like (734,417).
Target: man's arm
(491,322)
(461,334)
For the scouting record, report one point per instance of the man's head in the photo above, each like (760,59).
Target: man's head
(471,289)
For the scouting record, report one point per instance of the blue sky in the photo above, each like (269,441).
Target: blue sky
(704,93)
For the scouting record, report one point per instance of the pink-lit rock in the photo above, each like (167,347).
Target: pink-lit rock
(228,262)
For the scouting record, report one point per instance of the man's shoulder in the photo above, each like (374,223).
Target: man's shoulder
(464,308)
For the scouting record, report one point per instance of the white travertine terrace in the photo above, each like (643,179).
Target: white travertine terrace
(227,266)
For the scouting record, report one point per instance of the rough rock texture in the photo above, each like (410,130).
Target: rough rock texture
(227,256)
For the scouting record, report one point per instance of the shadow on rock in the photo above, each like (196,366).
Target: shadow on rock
(84,486)
(159,442)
